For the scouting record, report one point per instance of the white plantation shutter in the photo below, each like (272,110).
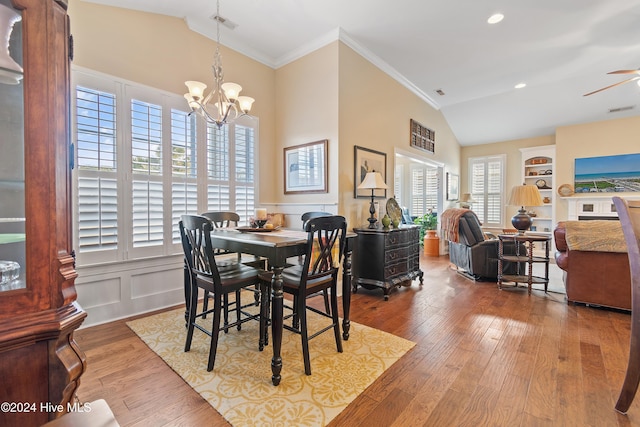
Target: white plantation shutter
(432,186)
(417,191)
(218,191)
(487,176)
(97,203)
(184,185)
(425,189)
(146,164)
(231,169)
(397,184)
(173,164)
(244,172)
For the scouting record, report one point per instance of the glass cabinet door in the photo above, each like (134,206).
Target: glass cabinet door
(12,161)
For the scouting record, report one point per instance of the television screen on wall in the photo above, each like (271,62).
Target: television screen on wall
(607,174)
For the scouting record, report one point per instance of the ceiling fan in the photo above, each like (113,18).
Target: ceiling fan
(619,83)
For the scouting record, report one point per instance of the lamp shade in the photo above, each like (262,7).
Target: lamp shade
(372,181)
(466,197)
(525,195)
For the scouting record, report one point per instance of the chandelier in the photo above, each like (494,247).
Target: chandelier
(223,104)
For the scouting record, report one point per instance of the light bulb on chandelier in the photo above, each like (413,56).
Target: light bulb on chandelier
(223,104)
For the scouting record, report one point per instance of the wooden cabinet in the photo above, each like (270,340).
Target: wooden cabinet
(386,258)
(40,364)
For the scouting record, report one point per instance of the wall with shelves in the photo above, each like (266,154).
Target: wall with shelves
(538,169)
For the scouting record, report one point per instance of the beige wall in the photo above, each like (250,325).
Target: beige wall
(374,113)
(161,52)
(605,138)
(513,164)
(307,111)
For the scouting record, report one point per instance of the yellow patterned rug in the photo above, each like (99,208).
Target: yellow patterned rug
(240,388)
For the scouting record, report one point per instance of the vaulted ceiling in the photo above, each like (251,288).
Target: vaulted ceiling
(561,49)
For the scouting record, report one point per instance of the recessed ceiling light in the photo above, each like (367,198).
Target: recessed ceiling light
(494,19)
(520,85)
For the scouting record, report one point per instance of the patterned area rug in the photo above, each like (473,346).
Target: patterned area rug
(240,388)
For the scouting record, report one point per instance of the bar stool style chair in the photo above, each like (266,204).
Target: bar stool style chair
(324,250)
(629,215)
(199,254)
(224,219)
(306,217)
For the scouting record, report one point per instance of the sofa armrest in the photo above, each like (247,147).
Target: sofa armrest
(559,234)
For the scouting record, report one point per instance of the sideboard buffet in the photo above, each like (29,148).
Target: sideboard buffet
(386,258)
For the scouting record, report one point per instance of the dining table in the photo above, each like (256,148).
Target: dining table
(276,245)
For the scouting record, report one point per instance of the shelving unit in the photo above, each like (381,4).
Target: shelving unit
(538,169)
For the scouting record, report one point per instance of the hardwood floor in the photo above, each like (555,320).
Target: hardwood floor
(483,357)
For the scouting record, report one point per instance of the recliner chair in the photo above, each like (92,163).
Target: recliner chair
(475,255)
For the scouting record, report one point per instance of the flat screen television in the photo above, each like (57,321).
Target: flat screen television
(607,174)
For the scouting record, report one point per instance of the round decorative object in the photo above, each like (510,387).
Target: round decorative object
(393,210)
(565,190)
(541,183)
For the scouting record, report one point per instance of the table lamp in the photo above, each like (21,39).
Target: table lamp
(372,181)
(465,200)
(523,195)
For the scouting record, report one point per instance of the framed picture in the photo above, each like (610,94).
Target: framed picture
(453,186)
(367,160)
(306,168)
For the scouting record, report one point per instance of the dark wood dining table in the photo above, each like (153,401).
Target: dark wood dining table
(277,246)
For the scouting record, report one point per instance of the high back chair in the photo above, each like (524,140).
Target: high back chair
(226,219)
(216,281)
(629,214)
(306,217)
(324,250)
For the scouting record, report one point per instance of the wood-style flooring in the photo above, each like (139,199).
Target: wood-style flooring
(483,357)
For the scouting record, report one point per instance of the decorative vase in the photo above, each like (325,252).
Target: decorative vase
(396,223)
(386,221)
(431,243)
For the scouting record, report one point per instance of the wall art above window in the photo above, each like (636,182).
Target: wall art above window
(422,137)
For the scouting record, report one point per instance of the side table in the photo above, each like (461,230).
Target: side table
(527,257)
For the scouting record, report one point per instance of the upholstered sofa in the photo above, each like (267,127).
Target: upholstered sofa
(596,269)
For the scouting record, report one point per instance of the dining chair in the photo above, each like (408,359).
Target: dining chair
(629,215)
(195,232)
(324,249)
(306,217)
(226,219)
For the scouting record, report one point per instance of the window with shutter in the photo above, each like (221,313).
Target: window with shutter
(486,176)
(146,166)
(184,185)
(97,195)
(244,177)
(397,184)
(171,168)
(425,189)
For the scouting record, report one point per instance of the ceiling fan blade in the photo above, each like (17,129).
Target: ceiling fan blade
(624,72)
(613,85)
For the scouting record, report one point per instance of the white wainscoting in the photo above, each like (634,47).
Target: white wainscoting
(293,211)
(114,291)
